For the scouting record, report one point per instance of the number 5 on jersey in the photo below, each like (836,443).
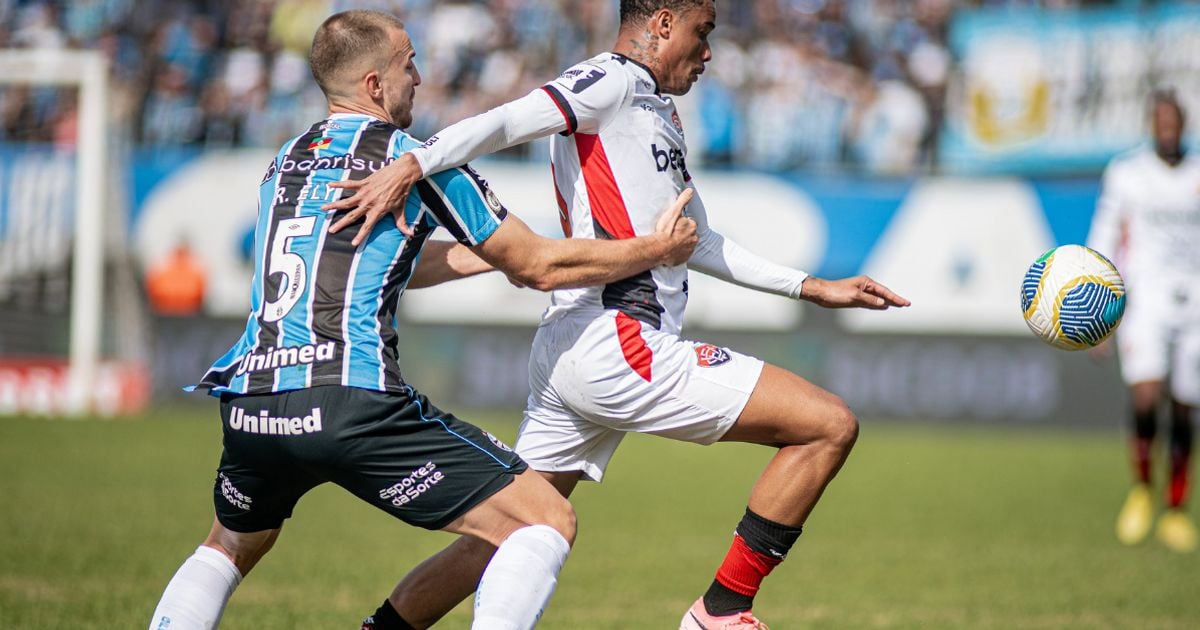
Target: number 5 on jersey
(288,264)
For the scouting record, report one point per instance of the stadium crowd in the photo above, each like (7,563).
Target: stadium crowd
(793,84)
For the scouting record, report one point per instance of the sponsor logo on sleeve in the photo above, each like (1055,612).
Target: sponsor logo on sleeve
(708,355)
(493,202)
(579,79)
(499,444)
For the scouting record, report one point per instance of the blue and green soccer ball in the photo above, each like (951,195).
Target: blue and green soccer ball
(1072,297)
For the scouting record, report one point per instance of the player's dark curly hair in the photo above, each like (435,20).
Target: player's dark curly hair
(347,38)
(634,10)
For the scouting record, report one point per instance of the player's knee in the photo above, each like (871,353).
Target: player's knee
(842,426)
(561,517)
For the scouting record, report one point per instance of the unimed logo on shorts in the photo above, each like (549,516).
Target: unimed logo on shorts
(264,424)
(418,482)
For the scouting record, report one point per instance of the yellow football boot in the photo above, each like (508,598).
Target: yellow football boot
(1133,523)
(1177,531)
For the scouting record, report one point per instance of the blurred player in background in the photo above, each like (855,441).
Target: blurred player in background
(313,393)
(1148,221)
(608,359)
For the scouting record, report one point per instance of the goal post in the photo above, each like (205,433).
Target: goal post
(88,72)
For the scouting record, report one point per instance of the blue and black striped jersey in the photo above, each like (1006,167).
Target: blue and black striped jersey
(323,311)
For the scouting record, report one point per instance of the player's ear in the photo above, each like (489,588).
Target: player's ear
(374,86)
(662,22)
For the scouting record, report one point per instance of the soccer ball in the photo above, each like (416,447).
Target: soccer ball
(1072,297)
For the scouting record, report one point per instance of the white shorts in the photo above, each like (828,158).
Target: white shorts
(1159,340)
(593,378)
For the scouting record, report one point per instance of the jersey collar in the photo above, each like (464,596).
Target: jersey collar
(638,64)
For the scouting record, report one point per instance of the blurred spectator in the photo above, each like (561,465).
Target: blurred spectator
(175,285)
(793,83)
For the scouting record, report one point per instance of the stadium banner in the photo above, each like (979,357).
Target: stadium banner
(957,247)
(1040,91)
(37,386)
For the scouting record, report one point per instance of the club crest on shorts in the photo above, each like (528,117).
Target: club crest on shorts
(495,440)
(708,355)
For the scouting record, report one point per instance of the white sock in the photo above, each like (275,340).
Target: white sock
(195,598)
(520,579)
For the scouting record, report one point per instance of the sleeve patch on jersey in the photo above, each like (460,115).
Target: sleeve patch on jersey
(493,202)
(579,79)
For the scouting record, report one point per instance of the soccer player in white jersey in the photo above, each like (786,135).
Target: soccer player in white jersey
(1148,222)
(608,359)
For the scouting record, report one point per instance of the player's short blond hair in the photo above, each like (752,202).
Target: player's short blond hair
(349,39)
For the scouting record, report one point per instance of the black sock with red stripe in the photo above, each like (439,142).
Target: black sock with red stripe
(1144,428)
(1182,437)
(759,545)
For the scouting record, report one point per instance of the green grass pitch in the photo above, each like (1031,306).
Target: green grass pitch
(926,527)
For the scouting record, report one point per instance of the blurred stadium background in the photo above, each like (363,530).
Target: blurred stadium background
(937,145)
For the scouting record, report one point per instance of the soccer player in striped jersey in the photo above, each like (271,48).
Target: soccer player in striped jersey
(313,391)
(608,359)
(1148,221)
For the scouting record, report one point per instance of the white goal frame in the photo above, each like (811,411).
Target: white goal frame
(88,70)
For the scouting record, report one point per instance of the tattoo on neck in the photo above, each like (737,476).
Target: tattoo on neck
(645,51)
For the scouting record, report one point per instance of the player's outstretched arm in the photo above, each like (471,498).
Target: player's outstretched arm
(545,264)
(517,122)
(859,291)
(443,261)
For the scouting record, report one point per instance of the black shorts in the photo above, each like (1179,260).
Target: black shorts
(396,452)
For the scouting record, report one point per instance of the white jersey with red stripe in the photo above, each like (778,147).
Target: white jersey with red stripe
(619,165)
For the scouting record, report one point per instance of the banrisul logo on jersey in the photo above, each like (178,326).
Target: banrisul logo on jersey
(708,355)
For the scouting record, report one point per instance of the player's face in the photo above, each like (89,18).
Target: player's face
(1168,129)
(686,51)
(399,80)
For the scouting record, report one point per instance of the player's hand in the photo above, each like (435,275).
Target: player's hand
(678,231)
(856,292)
(382,192)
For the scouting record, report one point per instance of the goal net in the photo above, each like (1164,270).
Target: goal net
(69,313)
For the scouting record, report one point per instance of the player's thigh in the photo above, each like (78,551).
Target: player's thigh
(567,363)
(424,466)
(529,500)
(642,380)
(554,439)
(1185,366)
(785,409)
(1144,345)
